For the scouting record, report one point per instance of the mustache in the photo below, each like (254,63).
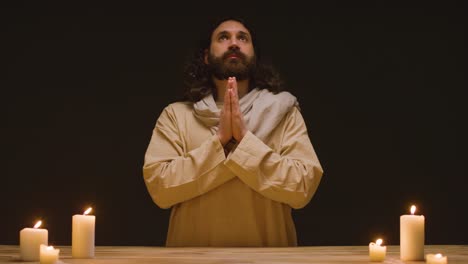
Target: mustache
(237,53)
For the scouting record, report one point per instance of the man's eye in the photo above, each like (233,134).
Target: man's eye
(243,37)
(223,37)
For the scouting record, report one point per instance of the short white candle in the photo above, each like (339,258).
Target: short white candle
(49,255)
(412,236)
(83,235)
(30,241)
(436,259)
(376,251)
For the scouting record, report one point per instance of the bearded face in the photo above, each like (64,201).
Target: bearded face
(233,63)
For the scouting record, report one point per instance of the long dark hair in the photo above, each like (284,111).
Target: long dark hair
(198,79)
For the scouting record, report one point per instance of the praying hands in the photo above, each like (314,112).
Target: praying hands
(231,121)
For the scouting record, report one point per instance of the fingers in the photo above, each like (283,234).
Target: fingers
(238,126)
(225,131)
(227,101)
(232,83)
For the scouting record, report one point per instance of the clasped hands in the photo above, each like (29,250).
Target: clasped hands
(231,121)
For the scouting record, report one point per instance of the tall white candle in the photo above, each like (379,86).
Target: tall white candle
(436,259)
(30,241)
(412,236)
(377,251)
(83,235)
(49,255)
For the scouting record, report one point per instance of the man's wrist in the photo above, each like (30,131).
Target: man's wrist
(222,141)
(230,145)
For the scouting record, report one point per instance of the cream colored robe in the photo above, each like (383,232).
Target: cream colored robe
(244,199)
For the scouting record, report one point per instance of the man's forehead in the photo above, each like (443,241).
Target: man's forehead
(231,27)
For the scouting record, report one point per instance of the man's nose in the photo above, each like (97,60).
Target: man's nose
(233,44)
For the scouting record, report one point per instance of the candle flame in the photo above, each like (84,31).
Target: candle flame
(413,209)
(88,211)
(378,242)
(38,224)
(438,255)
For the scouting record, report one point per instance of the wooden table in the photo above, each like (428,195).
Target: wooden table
(322,255)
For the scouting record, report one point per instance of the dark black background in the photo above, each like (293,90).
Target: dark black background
(381,86)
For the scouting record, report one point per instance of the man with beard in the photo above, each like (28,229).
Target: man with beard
(234,157)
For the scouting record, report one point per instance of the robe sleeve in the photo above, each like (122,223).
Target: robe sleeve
(290,175)
(173,175)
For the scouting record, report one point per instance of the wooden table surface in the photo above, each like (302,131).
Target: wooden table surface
(323,255)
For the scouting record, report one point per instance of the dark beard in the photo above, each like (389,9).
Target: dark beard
(224,67)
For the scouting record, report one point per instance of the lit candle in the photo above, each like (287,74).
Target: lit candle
(376,251)
(436,259)
(83,235)
(412,236)
(49,255)
(30,241)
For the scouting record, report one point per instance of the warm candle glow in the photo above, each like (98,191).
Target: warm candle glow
(83,227)
(378,242)
(38,224)
(30,241)
(436,259)
(48,254)
(376,251)
(88,211)
(412,236)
